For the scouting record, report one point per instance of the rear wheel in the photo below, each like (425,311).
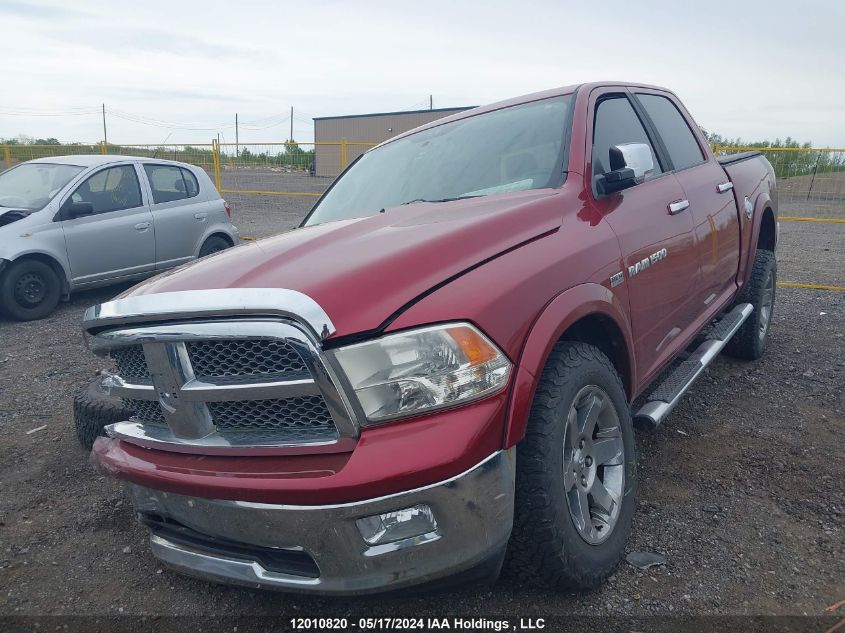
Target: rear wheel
(750,341)
(213,244)
(29,290)
(576,474)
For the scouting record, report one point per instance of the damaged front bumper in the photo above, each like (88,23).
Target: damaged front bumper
(323,549)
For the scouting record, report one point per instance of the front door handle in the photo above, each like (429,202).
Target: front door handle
(142,226)
(676,207)
(725,186)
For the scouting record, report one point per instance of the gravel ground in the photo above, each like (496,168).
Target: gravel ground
(741,489)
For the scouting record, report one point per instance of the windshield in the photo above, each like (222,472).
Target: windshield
(512,149)
(32,185)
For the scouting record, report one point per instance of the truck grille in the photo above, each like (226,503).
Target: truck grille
(295,414)
(218,383)
(240,359)
(131,364)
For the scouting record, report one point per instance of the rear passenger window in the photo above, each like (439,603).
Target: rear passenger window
(673,130)
(170,183)
(616,123)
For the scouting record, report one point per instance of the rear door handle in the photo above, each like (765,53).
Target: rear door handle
(142,226)
(676,207)
(725,186)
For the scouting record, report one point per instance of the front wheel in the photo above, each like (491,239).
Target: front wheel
(576,474)
(29,290)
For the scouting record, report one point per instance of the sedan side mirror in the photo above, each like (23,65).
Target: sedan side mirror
(78,209)
(630,163)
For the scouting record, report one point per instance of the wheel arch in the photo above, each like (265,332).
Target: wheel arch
(52,262)
(214,233)
(767,233)
(588,313)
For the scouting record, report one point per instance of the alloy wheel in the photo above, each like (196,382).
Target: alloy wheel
(594,464)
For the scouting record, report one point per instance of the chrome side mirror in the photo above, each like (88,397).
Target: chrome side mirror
(630,163)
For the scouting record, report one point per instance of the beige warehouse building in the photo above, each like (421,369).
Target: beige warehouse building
(362,131)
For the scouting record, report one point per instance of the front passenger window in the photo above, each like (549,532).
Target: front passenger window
(616,123)
(112,189)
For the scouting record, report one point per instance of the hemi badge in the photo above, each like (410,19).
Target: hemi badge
(616,279)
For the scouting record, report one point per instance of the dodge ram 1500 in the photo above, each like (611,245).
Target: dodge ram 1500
(437,373)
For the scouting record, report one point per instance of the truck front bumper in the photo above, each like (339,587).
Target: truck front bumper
(320,549)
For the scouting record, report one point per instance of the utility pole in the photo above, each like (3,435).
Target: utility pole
(105,136)
(291,123)
(431,102)
(237,153)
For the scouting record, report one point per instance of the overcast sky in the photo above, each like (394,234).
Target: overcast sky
(744,68)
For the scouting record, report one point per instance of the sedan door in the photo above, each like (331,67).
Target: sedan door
(114,237)
(180,213)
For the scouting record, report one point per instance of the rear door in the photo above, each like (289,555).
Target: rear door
(117,240)
(660,292)
(180,212)
(708,190)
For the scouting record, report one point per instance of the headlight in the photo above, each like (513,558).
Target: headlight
(422,370)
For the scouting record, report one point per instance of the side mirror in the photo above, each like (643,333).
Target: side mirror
(78,209)
(630,163)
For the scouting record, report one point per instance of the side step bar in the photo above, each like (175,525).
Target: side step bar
(669,392)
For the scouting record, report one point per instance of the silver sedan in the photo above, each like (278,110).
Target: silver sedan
(75,222)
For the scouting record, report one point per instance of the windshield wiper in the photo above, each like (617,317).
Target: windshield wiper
(440,200)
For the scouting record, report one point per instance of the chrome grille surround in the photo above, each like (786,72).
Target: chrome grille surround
(298,409)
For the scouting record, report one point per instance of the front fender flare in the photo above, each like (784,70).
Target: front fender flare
(558,315)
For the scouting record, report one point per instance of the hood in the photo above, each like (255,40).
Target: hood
(8,215)
(363,271)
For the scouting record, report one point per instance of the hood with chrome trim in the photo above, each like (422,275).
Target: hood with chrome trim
(362,271)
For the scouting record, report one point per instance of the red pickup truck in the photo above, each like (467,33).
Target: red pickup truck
(437,373)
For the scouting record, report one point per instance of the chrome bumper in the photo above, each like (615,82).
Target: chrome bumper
(474,513)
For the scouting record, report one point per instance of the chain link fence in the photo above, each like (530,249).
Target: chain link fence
(811,182)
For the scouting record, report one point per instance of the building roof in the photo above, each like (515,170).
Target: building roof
(361,116)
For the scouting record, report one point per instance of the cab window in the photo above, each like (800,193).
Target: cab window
(616,123)
(673,131)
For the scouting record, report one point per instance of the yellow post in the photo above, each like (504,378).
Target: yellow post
(344,159)
(103,148)
(7,156)
(215,162)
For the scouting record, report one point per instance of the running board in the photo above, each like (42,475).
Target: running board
(669,392)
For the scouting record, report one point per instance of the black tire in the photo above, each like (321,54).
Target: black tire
(214,244)
(749,342)
(93,409)
(29,290)
(546,548)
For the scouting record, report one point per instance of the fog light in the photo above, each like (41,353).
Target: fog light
(398,525)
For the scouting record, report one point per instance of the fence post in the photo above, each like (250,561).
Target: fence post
(215,162)
(7,156)
(103,148)
(343,154)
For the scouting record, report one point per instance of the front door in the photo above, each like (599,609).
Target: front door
(660,264)
(118,238)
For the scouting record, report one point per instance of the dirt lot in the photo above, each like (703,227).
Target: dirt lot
(742,489)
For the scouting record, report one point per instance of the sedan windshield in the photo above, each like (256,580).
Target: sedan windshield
(32,185)
(512,149)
